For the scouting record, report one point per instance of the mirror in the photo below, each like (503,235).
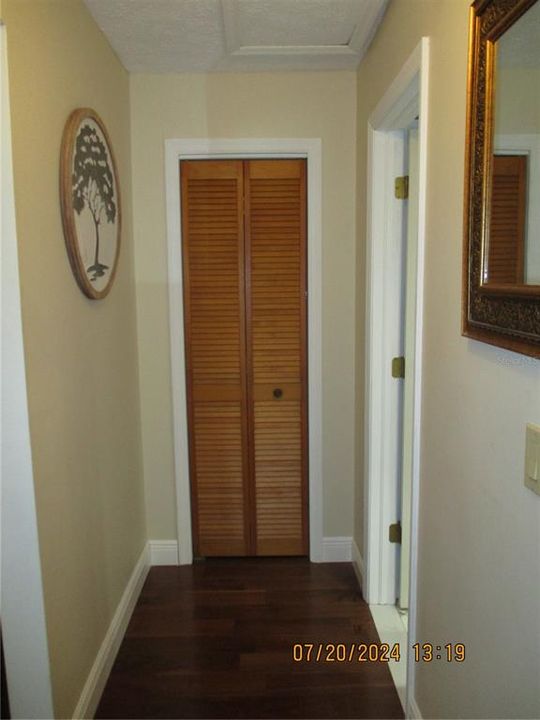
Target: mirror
(513,241)
(501,300)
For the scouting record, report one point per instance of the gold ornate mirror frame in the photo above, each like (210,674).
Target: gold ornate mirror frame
(502,315)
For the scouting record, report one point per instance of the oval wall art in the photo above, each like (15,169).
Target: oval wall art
(90,202)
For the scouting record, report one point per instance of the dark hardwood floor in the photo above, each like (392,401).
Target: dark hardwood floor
(215,639)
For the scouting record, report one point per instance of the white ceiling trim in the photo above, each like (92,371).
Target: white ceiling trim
(371,17)
(284,50)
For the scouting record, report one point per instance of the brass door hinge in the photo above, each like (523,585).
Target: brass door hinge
(401,186)
(394,533)
(398,367)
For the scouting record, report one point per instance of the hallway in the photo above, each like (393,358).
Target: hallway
(100,512)
(215,640)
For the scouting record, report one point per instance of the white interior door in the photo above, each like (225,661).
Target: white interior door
(408,388)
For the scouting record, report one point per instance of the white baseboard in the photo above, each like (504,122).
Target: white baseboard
(358,563)
(99,673)
(163,552)
(156,552)
(414,711)
(337,549)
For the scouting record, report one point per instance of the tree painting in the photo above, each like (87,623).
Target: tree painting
(93,187)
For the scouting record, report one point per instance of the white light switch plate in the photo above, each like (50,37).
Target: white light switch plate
(532,458)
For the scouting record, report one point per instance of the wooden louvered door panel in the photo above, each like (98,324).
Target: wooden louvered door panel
(506,253)
(214,307)
(275,223)
(244,261)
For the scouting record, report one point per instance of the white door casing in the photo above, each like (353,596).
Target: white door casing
(203,148)
(408,385)
(405,99)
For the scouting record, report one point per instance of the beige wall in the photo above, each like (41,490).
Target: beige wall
(479,563)
(517,101)
(226,106)
(81,355)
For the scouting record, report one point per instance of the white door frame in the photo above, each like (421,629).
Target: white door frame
(405,98)
(24,632)
(199,148)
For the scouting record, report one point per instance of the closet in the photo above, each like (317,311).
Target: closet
(245,303)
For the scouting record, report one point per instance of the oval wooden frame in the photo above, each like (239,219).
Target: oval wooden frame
(506,316)
(73,123)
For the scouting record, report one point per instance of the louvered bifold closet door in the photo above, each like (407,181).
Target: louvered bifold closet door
(275,192)
(506,253)
(214,304)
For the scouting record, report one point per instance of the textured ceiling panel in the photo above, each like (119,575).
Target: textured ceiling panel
(302,22)
(169,36)
(162,35)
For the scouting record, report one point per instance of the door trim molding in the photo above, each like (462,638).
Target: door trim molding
(250,148)
(406,97)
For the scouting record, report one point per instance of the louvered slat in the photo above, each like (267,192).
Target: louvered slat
(213,258)
(505,259)
(276,338)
